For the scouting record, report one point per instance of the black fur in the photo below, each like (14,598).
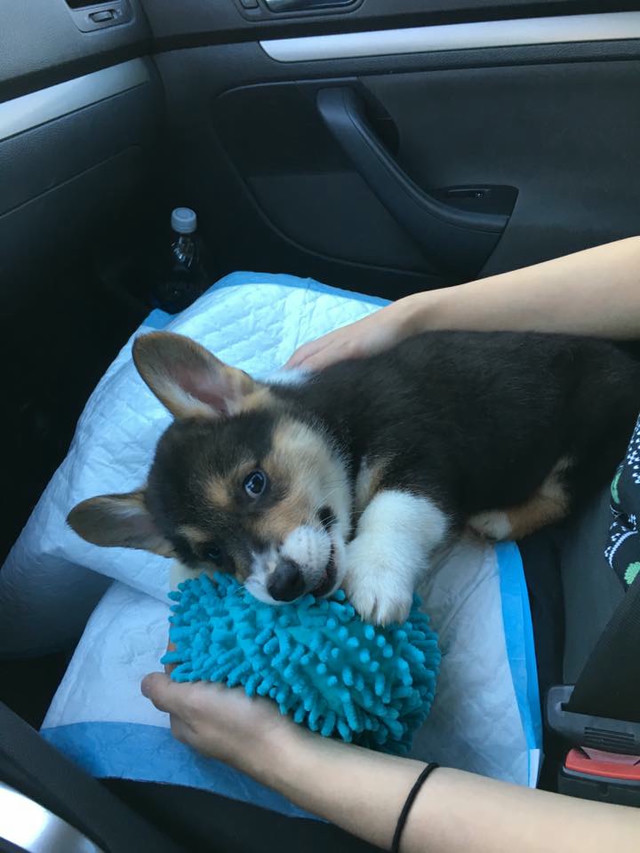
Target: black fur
(475,421)
(187,454)
(478,420)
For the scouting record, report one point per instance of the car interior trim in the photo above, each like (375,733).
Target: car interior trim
(34,829)
(44,105)
(612,26)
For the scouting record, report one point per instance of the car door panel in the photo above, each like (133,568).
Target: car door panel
(564,134)
(80,117)
(41,44)
(303,182)
(558,123)
(80,147)
(198,22)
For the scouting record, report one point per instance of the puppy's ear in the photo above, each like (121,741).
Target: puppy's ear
(119,521)
(187,378)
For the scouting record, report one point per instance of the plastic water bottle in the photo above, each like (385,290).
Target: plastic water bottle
(184,278)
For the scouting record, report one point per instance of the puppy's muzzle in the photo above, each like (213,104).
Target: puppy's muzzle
(287,581)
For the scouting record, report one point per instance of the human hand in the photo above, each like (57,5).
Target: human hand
(223,723)
(372,334)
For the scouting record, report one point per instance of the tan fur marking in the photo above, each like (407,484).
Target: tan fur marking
(368,481)
(194,535)
(241,386)
(288,514)
(220,491)
(550,503)
(260,398)
(301,460)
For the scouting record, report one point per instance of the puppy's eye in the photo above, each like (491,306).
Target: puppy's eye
(255,483)
(213,553)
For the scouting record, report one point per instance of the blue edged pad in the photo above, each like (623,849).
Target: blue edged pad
(486,713)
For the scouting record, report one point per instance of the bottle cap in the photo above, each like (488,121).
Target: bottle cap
(184,220)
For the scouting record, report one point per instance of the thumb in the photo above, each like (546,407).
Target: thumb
(164,693)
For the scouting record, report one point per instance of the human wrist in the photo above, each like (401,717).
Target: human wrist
(420,312)
(279,754)
(408,313)
(358,789)
(299,755)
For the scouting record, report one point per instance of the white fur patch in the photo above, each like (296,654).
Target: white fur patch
(258,590)
(396,535)
(263,564)
(493,524)
(296,376)
(178,572)
(310,549)
(363,483)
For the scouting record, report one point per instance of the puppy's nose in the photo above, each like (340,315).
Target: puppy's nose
(287,582)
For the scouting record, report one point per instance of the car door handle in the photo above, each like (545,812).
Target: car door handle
(456,240)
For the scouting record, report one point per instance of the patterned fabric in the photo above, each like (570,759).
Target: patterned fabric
(623,547)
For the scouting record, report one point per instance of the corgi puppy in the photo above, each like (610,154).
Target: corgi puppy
(359,473)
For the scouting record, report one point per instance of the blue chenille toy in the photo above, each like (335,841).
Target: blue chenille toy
(317,659)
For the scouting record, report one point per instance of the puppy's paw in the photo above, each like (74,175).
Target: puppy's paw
(493,524)
(380,606)
(380,591)
(179,573)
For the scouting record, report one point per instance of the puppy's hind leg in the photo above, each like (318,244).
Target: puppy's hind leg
(548,504)
(397,533)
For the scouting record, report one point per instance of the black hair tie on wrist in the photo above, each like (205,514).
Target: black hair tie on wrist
(404,814)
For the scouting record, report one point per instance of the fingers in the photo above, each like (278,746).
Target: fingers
(366,336)
(180,701)
(167,695)
(300,356)
(157,688)
(317,361)
(190,702)
(182,731)
(323,352)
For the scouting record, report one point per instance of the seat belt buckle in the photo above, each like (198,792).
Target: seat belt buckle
(604,762)
(608,777)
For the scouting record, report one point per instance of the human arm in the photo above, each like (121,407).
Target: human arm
(363,791)
(594,292)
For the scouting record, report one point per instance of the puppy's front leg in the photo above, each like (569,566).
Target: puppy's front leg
(178,572)
(396,535)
